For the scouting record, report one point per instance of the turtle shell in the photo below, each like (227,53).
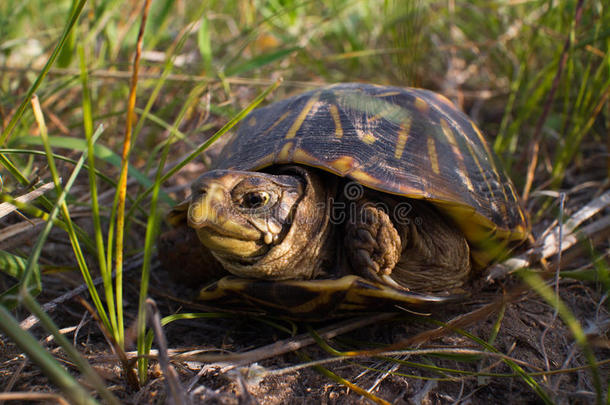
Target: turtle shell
(404,141)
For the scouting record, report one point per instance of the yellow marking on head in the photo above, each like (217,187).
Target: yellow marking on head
(388,94)
(457,153)
(252,121)
(301,117)
(401,141)
(198,212)
(343,165)
(421,105)
(284,155)
(364,178)
(432,155)
(368,138)
(204,210)
(334,112)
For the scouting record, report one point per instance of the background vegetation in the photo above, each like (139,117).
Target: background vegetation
(535,75)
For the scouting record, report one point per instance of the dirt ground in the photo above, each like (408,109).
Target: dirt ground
(529,333)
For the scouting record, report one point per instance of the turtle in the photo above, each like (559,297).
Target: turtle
(346,198)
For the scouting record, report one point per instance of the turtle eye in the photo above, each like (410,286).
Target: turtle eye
(255,199)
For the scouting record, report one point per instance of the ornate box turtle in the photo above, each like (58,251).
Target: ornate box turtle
(346,198)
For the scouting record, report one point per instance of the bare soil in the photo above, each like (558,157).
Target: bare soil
(530,334)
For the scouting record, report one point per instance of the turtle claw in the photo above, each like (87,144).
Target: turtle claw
(365,263)
(372,242)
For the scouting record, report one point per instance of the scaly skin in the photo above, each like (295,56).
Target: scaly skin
(278,227)
(260,225)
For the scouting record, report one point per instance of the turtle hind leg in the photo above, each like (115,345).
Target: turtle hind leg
(422,252)
(435,254)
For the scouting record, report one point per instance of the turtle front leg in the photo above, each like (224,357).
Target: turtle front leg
(423,252)
(372,243)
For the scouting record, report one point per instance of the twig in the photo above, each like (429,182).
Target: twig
(50,306)
(33,396)
(7,208)
(177,392)
(562,197)
(550,244)
(130,375)
(292,344)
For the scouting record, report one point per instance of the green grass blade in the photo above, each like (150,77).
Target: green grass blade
(35,308)
(222,130)
(204,43)
(100,151)
(340,380)
(105,272)
(15,266)
(6,133)
(149,246)
(57,156)
(212,139)
(261,61)
(82,264)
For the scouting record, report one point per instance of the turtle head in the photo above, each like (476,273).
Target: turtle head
(242,214)
(256,224)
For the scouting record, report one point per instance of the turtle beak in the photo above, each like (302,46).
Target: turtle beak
(211,207)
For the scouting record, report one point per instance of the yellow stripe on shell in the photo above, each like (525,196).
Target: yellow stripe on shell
(444,100)
(284,155)
(456,152)
(334,113)
(205,294)
(300,156)
(401,140)
(368,138)
(432,155)
(421,105)
(264,161)
(476,161)
(343,165)
(388,94)
(302,115)
(485,146)
(364,178)
(516,199)
(358,296)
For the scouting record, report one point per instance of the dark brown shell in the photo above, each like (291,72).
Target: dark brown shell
(405,141)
